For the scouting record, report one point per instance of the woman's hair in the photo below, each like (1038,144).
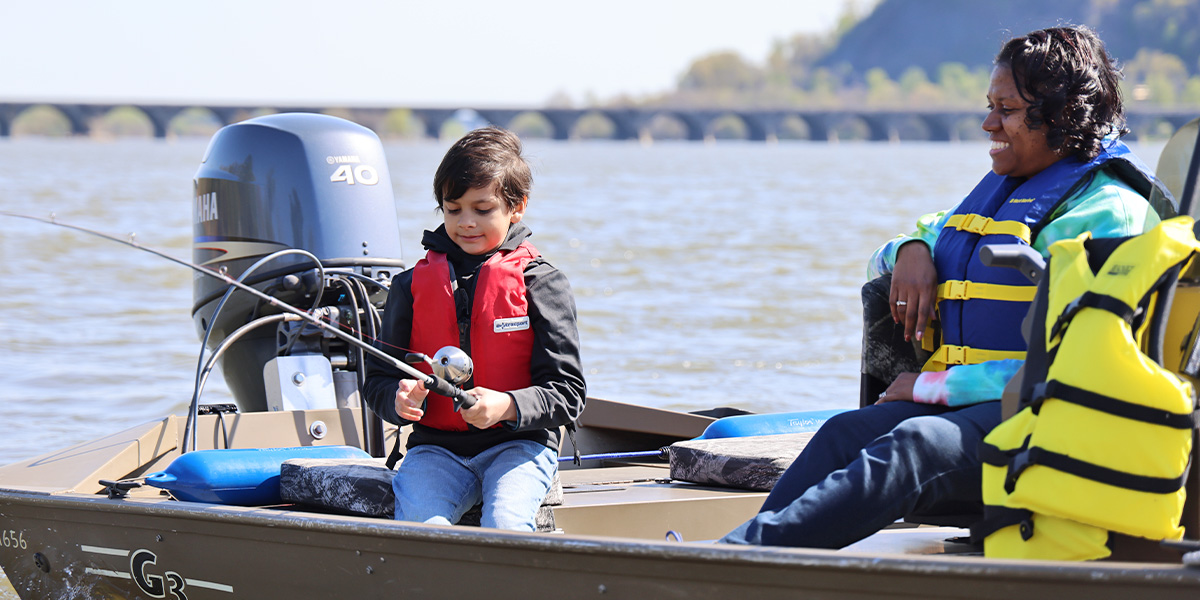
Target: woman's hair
(486,156)
(1071,84)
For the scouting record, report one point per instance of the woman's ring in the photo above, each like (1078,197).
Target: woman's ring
(882,394)
(901,303)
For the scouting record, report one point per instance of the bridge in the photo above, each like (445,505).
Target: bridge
(624,123)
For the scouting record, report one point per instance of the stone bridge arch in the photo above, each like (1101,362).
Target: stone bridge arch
(690,126)
(954,126)
(595,124)
(9,114)
(627,123)
(434,119)
(750,126)
(80,116)
(1156,123)
(161,117)
(695,123)
(821,125)
(562,120)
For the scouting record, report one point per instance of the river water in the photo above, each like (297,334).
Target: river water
(705,275)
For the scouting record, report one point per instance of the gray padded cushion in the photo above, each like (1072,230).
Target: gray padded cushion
(358,486)
(749,463)
(363,486)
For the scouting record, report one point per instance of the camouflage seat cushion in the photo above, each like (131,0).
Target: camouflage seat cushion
(364,487)
(749,463)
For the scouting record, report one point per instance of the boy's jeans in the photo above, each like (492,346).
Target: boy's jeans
(434,485)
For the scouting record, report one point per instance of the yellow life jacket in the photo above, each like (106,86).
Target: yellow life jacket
(1104,438)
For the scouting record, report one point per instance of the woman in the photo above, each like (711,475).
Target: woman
(1058,170)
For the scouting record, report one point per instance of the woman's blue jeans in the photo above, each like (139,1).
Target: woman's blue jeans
(434,485)
(867,468)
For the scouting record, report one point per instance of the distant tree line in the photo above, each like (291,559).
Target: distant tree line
(816,70)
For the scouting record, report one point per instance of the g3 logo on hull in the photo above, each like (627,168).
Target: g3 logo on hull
(157,586)
(168,585)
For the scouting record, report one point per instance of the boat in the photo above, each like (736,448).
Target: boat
(204,505)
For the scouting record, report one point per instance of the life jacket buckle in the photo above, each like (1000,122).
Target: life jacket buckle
(1016,465)
(1038,396)
(956,290)
(955,355)
(1064,319)
(974,223)
(1026,528)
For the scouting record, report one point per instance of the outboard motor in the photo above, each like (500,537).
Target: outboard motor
(295,180)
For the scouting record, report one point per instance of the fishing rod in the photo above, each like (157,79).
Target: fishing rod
(432,382)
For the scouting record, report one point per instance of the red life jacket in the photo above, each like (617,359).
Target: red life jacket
(501,336)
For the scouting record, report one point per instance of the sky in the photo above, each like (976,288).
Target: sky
(378,52)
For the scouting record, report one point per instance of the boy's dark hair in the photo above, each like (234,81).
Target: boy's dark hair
(1071,84)
(479,159)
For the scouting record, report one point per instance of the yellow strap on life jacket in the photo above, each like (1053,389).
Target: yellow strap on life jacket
(954,289)
(981,225)
(949,354)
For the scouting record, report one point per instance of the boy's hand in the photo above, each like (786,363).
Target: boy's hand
(490,408)
(410,396)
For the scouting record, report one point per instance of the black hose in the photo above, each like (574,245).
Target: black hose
(190,427)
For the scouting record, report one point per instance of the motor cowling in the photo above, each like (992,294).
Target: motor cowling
(294,180)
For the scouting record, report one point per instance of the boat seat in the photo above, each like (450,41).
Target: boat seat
(748,463)
(364,487)
(757,462)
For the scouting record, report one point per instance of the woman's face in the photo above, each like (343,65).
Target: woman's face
(1016,151)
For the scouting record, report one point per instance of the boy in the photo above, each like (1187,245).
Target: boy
(484,288)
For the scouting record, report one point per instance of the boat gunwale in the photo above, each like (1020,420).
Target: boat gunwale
(1014,571)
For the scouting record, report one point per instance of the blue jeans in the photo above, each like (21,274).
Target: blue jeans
(434,485)
(866,468)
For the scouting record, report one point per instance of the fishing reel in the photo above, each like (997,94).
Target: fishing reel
(451,365)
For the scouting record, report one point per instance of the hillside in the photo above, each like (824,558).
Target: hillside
(900,34)
(938,53)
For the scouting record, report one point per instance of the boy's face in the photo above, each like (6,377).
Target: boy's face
(478,222)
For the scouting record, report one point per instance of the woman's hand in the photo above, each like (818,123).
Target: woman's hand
(410,396)
(900,390)
(490,408)
(914,288)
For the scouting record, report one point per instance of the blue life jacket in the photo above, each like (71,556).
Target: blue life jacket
(980,308)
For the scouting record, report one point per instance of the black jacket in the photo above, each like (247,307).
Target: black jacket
(556,395)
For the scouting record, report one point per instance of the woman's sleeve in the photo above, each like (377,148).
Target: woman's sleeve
(928,226)
(1107,208)
(965,384)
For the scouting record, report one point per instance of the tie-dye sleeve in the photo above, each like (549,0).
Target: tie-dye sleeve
(928,227)
(965,384)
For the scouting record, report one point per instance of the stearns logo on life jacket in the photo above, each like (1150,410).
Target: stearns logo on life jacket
(1103,440)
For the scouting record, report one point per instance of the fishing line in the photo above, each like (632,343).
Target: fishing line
(321,322)
(132,243)
(432,382)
